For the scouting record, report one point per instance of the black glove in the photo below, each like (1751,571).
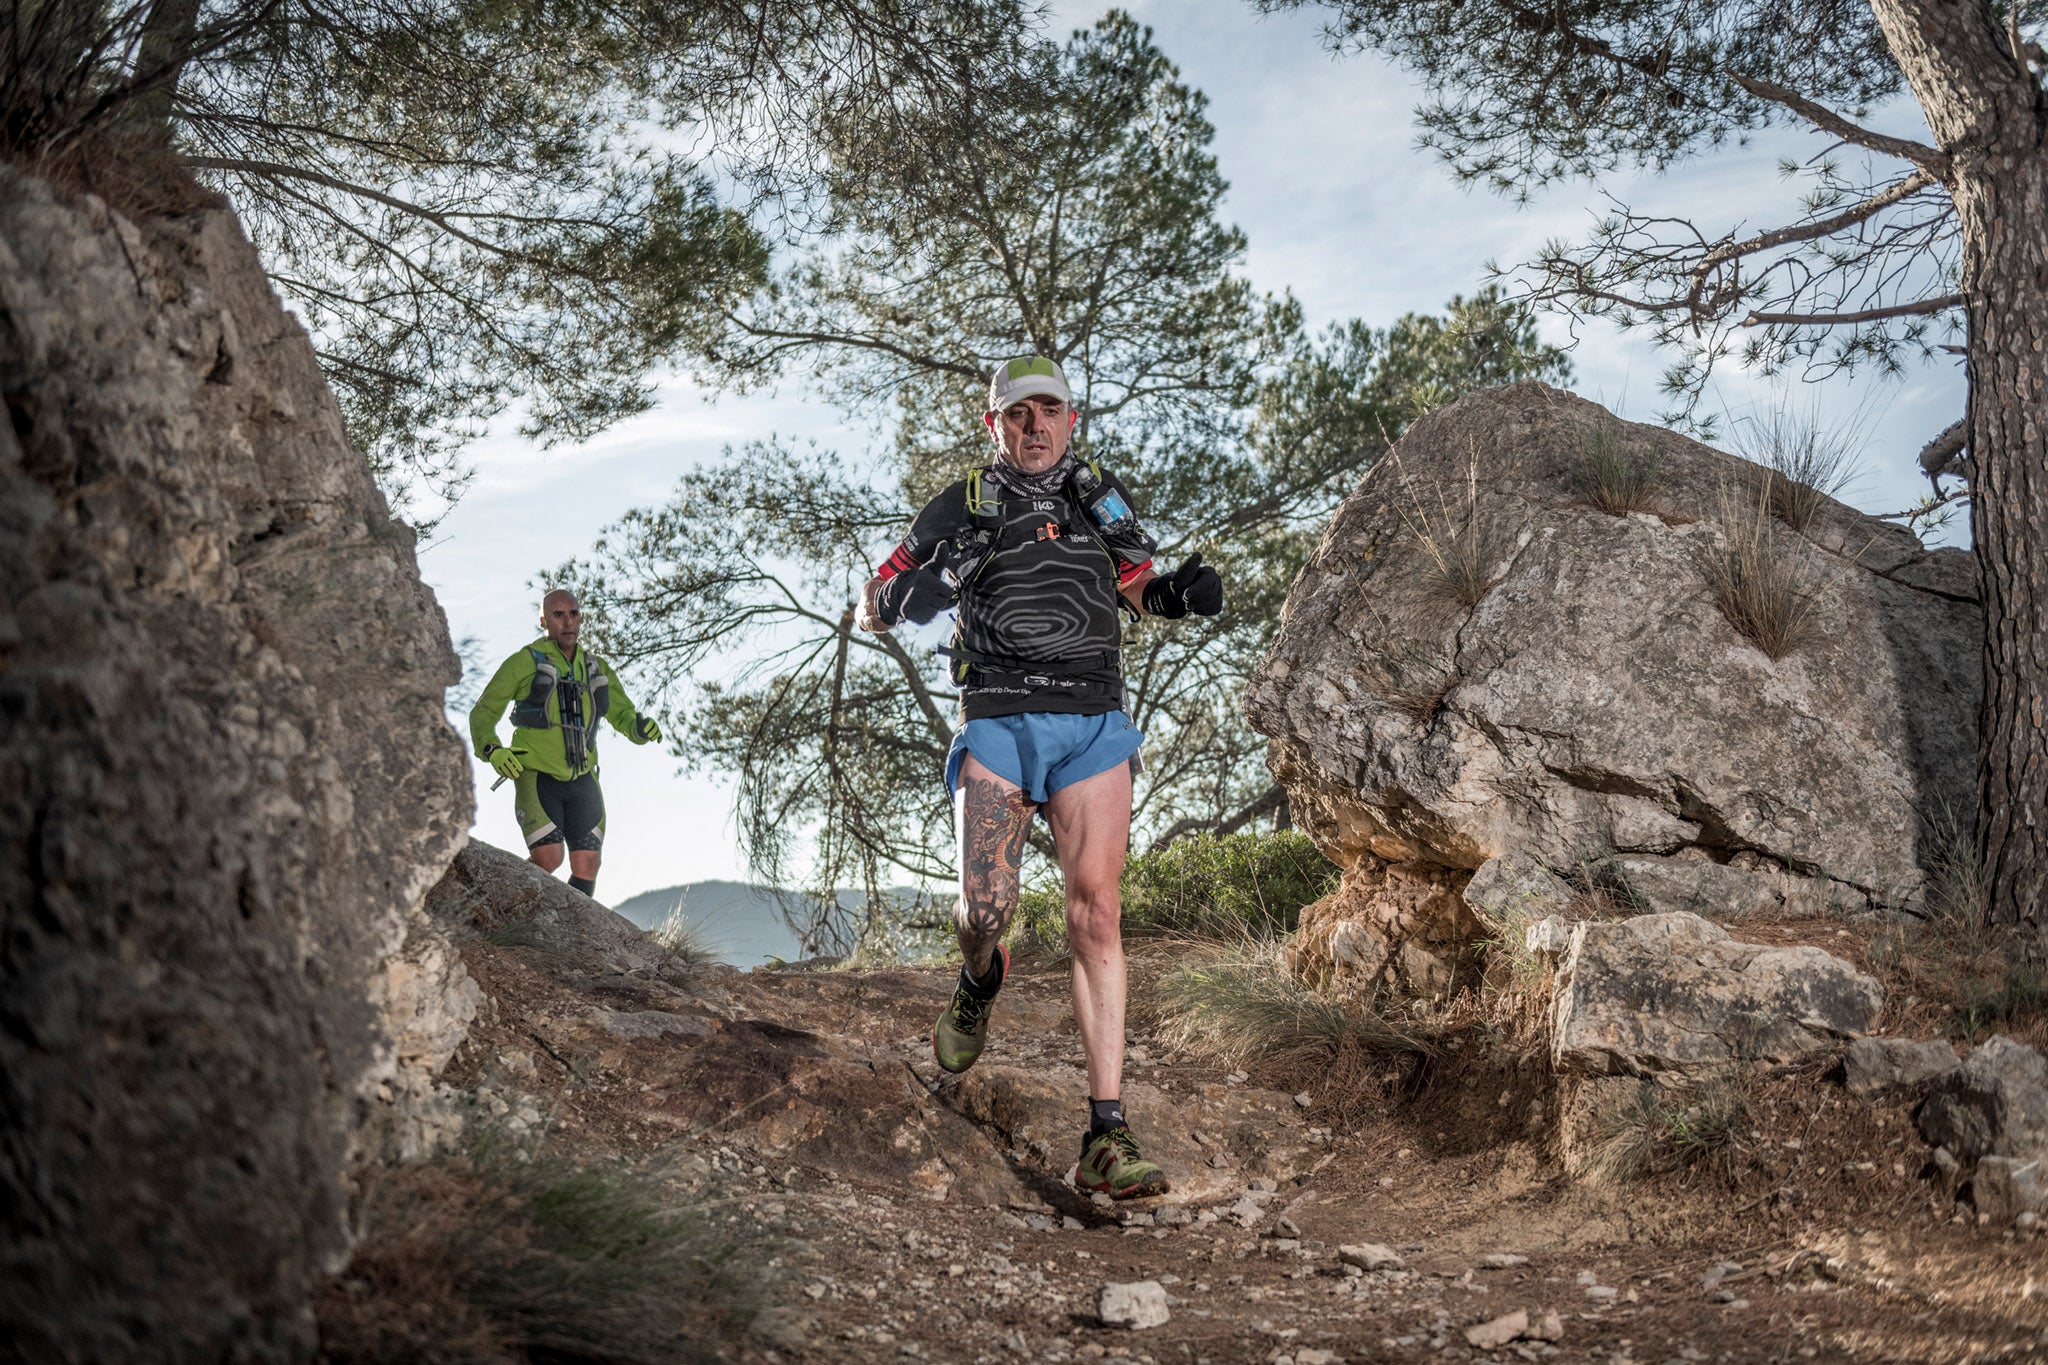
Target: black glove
(916,597)
(1193,587)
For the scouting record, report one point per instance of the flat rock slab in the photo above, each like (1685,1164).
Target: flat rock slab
(1676,993)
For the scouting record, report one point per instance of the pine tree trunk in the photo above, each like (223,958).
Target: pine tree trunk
(1988,115)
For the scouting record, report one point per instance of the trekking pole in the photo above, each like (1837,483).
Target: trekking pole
(516,753)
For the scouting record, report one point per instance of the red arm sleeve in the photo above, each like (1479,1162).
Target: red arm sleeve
(900,560)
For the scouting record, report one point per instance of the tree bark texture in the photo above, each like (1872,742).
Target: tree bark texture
(1987,113)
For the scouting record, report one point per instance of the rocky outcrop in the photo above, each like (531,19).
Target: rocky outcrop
(489,891)
(1668,995)
(225,785)
(1476,662)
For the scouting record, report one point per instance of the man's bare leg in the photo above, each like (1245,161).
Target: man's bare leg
(546,857)
(1091,828)
(992,818)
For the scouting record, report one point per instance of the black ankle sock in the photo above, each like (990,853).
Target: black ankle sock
(1104,1115)
(587,885)
(985,988)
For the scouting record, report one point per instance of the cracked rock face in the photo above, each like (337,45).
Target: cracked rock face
(226,784)
(1594,707)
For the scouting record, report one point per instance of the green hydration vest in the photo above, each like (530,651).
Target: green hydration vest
(977,544)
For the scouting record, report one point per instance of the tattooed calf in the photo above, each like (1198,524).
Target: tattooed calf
(994,818)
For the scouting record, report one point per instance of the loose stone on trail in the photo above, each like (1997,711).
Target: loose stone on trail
(1132,1306)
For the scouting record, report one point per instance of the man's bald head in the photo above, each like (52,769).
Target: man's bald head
(561,615)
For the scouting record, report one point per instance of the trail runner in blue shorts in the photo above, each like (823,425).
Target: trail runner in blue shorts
(1038,551)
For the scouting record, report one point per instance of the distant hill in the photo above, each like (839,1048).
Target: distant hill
(744,924)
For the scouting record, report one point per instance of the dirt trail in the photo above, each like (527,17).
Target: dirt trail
(921,1217)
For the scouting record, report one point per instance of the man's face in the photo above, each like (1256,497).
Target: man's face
(562,617)
(1034,431)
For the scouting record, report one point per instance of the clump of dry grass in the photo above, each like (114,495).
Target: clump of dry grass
(1459,550)
(1245,1008)
(685,941)
(1692,1130)
(1975,974)
(1614,475)
(508,1256)
(1763,583)
(1805,463)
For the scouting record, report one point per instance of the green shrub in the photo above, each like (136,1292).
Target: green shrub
(1204,885)
(1213,884)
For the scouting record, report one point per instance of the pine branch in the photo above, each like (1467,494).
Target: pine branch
(1929,159)
(1896,310)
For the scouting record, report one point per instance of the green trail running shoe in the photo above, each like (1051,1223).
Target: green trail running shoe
(958,1037)
(1110,1165)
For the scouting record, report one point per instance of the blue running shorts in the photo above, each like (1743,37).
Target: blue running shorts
(1043,751)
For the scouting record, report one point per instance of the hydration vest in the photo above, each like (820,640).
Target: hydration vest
(579,729)
(977,544)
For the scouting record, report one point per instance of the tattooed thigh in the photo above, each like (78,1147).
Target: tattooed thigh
(994,820)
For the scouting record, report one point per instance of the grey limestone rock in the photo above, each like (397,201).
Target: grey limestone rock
(1994,1104)
(1675,993)
(1872,1066)
(226,782)
(1134,1306)
(1370,1256)
(1594,708)
(2003,1188)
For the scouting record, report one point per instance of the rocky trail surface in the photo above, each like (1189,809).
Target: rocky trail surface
(914,1216)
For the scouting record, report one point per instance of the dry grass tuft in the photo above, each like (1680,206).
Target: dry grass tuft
(490,1259)
(132,169)
(1245,1008)
(685,941)
(1693,1131)
(1459,551)
(1974,976)
(1614,475)
(1763,583)
(1805,464)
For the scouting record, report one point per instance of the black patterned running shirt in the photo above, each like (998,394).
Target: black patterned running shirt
(1038,626)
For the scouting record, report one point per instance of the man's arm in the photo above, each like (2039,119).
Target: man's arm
(620,711)
(500,692)
(903,587)
(1133,588)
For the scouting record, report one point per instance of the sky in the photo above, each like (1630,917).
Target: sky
(1338,205)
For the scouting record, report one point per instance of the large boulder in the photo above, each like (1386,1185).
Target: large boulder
(1672,995)
(225,785)
(1593,710)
